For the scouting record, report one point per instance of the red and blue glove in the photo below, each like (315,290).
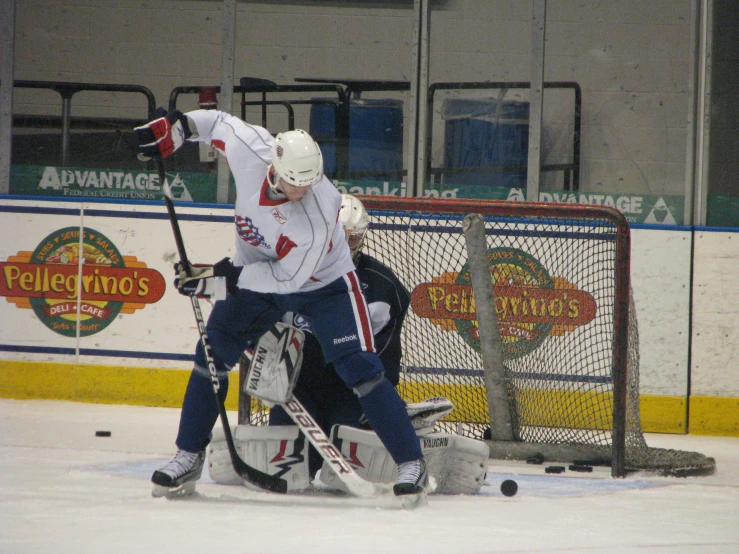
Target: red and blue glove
(162,136)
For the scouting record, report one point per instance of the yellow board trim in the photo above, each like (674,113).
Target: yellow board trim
(663,414)
(98,384)
(166,387)
(659,414)
(714,415)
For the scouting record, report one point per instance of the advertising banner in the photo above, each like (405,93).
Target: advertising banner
(109,184)
(76,182)
(638,208)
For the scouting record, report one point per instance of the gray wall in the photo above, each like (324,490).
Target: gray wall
(632,59)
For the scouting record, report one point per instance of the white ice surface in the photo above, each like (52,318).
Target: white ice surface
(64,490)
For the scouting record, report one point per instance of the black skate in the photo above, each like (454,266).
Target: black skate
(178,477)
(412,478)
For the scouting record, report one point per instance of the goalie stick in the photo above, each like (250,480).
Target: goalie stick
(252,475)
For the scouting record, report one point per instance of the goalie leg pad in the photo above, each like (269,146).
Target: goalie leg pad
(276,450)
(456,464)
(424,414)
(364,451)
(219,460)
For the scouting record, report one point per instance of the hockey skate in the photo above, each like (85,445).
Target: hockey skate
(410,485)
(413,478)
(178,477)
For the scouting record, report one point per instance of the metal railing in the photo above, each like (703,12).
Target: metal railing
(345,91)
(68,90)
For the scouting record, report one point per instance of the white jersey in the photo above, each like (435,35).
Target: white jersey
(283,246)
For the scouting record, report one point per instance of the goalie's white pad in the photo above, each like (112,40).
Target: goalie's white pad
(273,449)
(456,464)
(275,364)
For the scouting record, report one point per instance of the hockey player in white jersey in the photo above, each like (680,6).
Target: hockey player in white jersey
(290,255)
(320,390)
(456,464)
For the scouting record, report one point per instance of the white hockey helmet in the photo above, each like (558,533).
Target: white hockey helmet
(297,158)
(355,220)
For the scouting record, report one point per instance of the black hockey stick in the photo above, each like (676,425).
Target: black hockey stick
(252,475)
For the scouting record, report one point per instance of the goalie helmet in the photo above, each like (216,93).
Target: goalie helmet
(296,159)
(355,220)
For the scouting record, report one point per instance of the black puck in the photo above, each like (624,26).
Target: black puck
(581,468)
(538,459)
(509,487)
(554,469)
(102,433)
(605,463)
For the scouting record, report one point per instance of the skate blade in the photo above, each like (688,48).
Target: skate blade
(413,501)
(185,489)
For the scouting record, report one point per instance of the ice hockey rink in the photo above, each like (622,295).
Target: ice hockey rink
(64,490)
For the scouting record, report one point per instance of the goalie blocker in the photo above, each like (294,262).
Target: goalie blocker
(456,464)
(275,364)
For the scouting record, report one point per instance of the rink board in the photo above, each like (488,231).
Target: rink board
(141,338)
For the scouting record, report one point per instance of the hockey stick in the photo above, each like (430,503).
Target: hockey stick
(252,475)
(273,370)
(331,455)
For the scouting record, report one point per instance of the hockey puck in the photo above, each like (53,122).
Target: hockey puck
(102,433)
(592,463)
(537,459)
(581,468)
(554,469)
(509,487)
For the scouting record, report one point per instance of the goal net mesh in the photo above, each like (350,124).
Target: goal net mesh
(554,286)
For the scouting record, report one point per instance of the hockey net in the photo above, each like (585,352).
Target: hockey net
(566,319)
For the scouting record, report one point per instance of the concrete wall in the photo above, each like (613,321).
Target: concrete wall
(631,58)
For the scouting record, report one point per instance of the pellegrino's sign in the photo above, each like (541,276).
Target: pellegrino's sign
(531,305)
(47,281)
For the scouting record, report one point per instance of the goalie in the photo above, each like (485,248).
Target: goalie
(456,463)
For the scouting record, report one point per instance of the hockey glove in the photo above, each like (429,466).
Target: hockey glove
(207,281)
(164,135)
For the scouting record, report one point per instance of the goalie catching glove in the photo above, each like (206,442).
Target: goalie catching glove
(207,281)
(164,135)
